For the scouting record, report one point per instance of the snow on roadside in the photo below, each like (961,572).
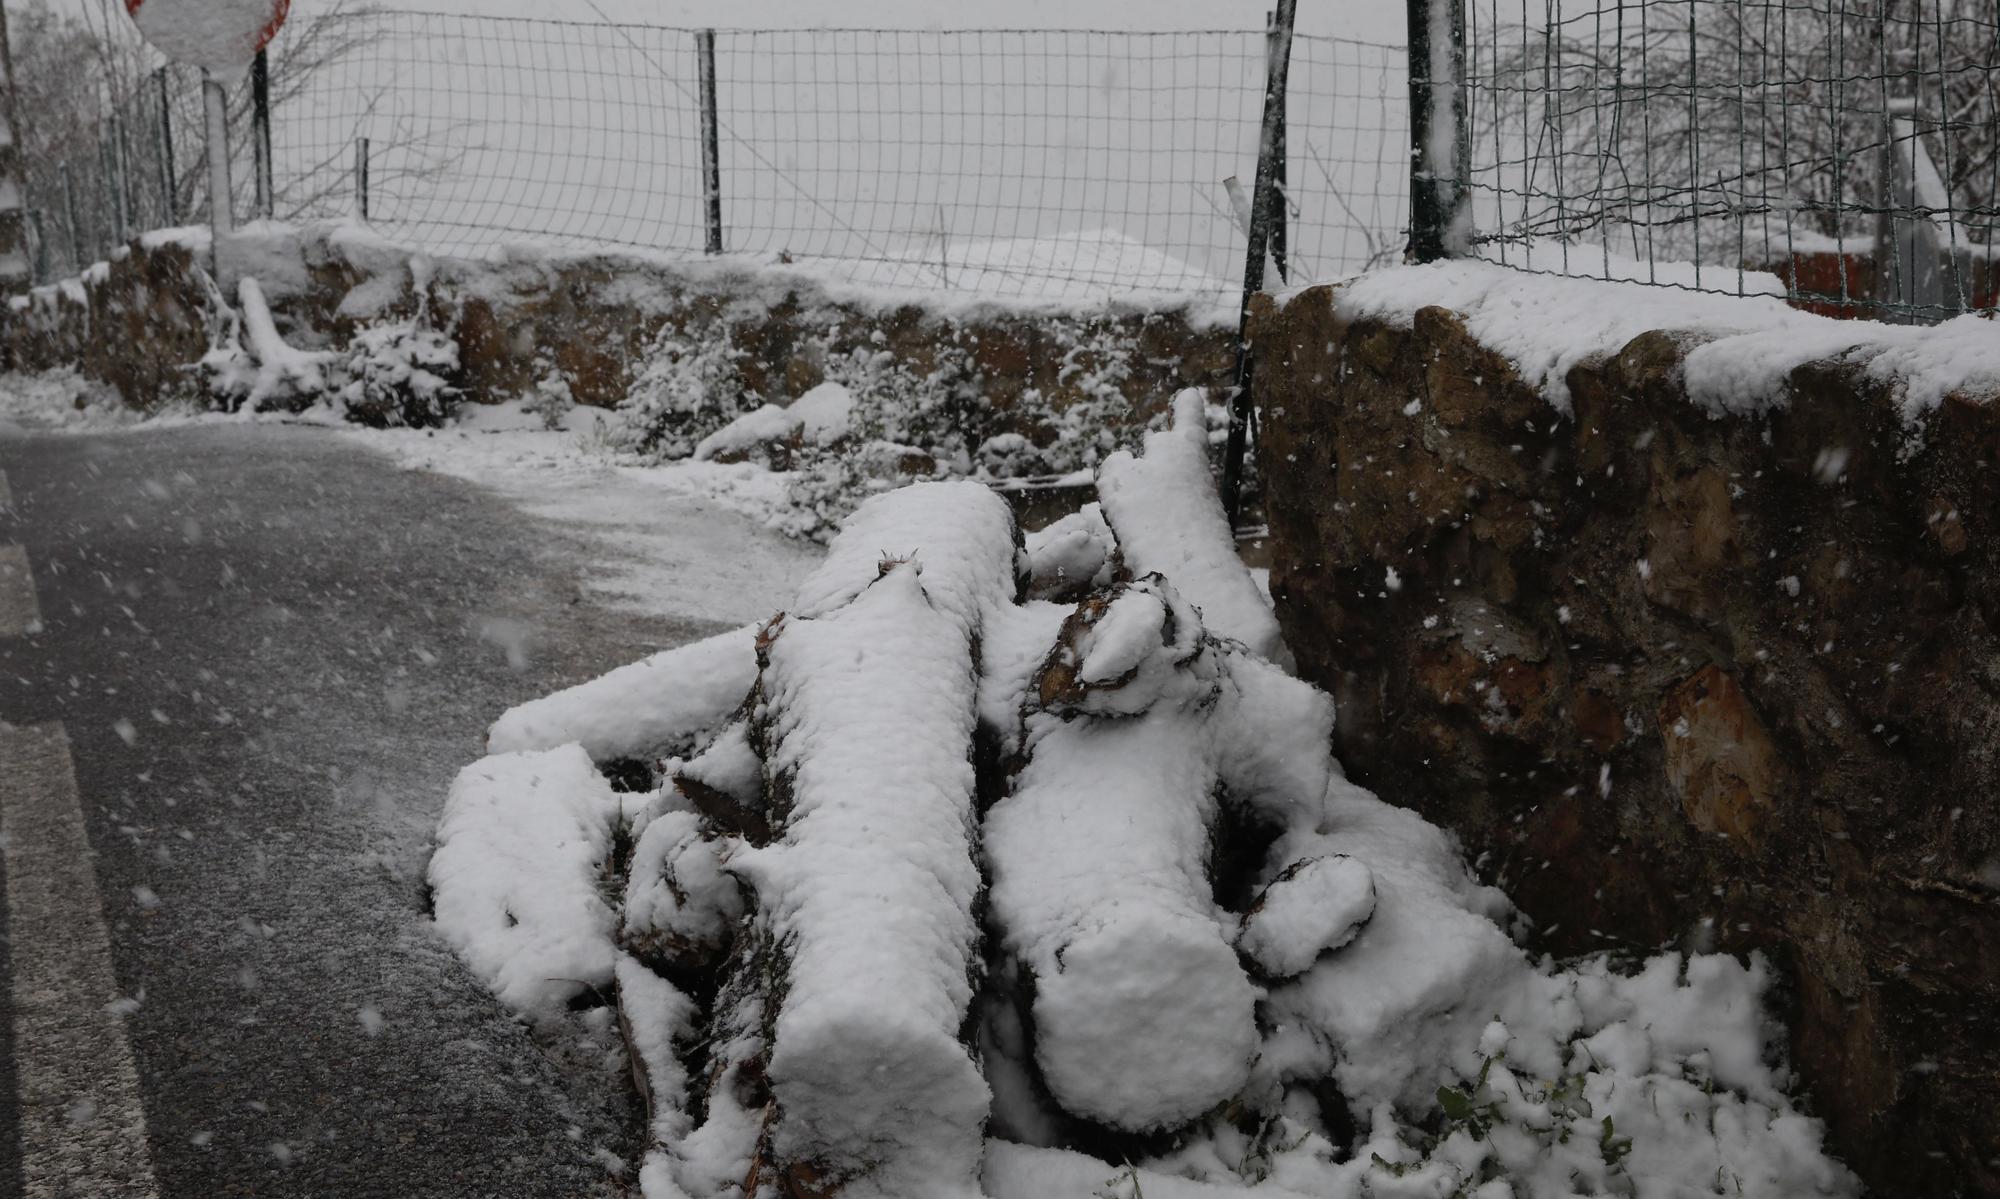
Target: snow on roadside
(821,416)
(66,401)
(686,540)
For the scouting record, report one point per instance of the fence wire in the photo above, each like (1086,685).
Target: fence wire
(1849,147)
(1011,162)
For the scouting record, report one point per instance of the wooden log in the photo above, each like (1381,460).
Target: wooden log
(1143,1017)
(864,895)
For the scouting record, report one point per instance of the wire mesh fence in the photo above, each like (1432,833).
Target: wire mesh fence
(1849,147)
(1015,162)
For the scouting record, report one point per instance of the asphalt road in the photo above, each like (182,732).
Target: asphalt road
(270,651)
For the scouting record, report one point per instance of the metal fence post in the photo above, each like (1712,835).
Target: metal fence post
(221,216)
(1279,152)
(107,161)
(711,155)
(361,177)
(129,193)
(40,235)
(1241,412)
(69,213)
(260,131)
(169,181)
(16,271)
(1440,143)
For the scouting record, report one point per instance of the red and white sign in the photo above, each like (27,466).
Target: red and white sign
(220,35)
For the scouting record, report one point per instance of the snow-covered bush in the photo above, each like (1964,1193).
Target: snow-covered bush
(907,417)
(1096,367)
(1208,965)
(688,387)
(401,373)
(550,400)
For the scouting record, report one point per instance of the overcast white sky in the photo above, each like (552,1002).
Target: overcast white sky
(1377,20)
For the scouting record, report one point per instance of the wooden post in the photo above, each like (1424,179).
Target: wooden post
(260,131)
(711,155)
(77,260)
(169,178)
(122,217)
(1280,254)
(1440,145)
(16,271)
(361,178)
(1261,203)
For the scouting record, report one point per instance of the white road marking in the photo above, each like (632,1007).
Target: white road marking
(19,614)
(83,1125)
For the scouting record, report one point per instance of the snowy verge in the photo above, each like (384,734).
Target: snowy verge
(1547,324)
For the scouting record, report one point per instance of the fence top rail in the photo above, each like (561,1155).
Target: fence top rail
(377,15)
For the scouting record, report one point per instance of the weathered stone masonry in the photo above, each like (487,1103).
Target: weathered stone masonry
(1727,683)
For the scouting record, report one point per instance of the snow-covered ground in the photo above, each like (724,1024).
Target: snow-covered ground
(641,520)
(687,540)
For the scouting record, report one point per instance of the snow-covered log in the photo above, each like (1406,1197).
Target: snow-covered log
(865,896)
(1164,508)
(725,783)
(1072,557)
(681,905)
(661,705)
(514,880)
(1314,905)
(657,1019)
(1143,1016)
(1273,738)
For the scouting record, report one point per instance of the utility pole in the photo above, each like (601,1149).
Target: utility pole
(16,271)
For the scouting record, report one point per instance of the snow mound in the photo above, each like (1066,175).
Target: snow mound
(820,417)
(1072,556)
(680,899)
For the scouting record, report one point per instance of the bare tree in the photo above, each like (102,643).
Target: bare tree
(125,130)
(1721,122)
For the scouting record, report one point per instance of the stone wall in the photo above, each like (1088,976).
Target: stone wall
(137,322)
(1727,683)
